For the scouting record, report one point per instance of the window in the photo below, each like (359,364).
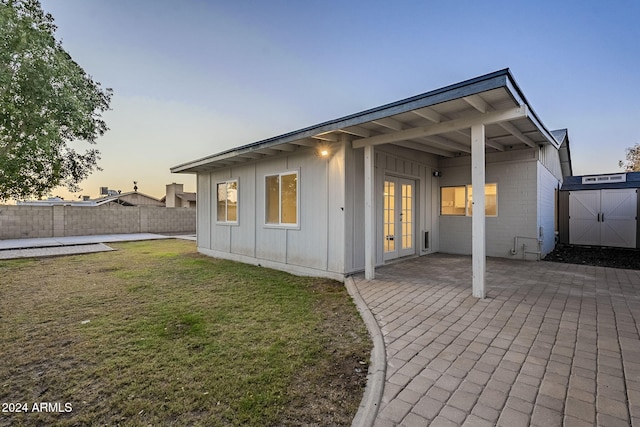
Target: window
(459,200)
(227,201)
(281,199)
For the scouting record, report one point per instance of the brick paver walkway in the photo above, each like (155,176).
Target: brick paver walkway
(552,344)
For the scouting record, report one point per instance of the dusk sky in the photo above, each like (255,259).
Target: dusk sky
(192,78)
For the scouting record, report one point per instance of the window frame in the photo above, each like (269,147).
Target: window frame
(467,201)
(281,224)
(226,221)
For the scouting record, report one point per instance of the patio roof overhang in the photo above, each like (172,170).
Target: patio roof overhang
(471,118)
(436,122)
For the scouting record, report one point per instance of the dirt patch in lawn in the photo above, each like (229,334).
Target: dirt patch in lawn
(596,255)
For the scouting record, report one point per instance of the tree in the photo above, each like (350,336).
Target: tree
(46,101)
(633,159)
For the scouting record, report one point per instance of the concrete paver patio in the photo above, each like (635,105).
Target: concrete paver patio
(552,344)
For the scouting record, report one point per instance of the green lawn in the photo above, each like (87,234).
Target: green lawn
(156,334)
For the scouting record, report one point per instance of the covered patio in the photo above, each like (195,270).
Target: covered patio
(551,344)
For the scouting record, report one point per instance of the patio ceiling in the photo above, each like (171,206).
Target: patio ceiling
(437,122)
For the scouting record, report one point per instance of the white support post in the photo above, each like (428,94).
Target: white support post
(369,215)
(478,235)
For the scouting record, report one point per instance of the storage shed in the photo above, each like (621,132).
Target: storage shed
(600,210)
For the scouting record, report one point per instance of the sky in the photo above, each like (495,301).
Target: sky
(192,78)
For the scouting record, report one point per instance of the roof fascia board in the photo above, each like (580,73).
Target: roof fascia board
(518,96)
(470,87)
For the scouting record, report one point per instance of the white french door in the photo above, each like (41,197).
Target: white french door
(398,217)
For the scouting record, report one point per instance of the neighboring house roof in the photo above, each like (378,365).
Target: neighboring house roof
(56,201)
(604,181)
(188,197)
(434,122)
(120,199)
(116,198)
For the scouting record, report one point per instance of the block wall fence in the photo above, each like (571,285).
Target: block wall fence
(20,222)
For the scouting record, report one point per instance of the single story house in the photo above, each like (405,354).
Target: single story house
(601,210)
(466,169)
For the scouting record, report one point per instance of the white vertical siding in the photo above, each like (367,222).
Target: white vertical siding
(203,217)
(243,239)
(550,158)
(547,184)
(354,209)
(394,161)
(307,245)
(336,211)
(306,249)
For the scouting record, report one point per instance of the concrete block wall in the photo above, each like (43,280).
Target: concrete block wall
(20,222)
(167,220)
(83,221)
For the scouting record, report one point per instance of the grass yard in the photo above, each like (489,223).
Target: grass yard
(157,334)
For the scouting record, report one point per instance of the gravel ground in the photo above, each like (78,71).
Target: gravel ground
(596,255)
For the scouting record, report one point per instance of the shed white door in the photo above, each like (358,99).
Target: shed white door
(603,217)
(398,217)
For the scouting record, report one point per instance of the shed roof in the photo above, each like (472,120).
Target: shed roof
(575,183)
(435,122)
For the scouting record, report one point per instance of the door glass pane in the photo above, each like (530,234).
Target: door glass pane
(389,216)
(407,216)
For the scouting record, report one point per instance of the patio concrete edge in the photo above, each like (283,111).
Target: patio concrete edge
(370,402)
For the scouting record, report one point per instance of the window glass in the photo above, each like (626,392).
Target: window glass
(452,200)
(459,200)
(490,200)
(272,197)
(289,212)
(232,201)
(227,201)
(222,202)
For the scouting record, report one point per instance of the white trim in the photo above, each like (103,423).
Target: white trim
(604,179)
(478,232)
(369,213)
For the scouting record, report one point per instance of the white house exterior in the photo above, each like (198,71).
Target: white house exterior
(403,179)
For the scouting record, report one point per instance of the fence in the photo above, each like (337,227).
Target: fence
(18,222)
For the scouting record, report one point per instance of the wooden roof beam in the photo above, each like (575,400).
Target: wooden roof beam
(478,103)
(357,131)
(443,127)
(425,148)
(515,132)
(444,143)
(326,136)
(429,114)
(390,123)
